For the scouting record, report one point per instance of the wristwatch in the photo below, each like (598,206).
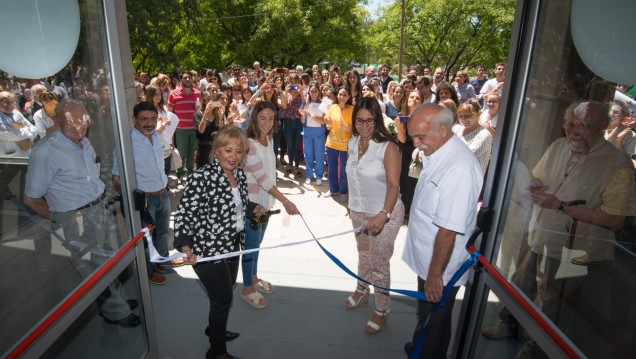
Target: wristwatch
(388,214)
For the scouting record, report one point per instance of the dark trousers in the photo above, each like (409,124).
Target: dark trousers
(218,279)
(438,332)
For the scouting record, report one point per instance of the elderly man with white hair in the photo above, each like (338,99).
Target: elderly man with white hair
(582,189)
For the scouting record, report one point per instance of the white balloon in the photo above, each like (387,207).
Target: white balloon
(603,35)
(38,37)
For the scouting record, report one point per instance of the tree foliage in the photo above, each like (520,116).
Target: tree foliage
(450,33)
(220,33)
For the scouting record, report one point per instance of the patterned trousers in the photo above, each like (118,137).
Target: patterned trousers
(375,252)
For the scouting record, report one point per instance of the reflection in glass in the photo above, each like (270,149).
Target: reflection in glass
(61,217)
(567,242)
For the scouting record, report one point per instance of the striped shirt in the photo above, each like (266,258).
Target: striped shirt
(183,105)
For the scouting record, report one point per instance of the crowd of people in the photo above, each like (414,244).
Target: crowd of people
(224,134)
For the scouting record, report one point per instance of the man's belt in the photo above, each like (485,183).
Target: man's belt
(155,194)
(91,204)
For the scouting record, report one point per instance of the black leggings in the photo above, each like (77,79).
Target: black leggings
(218,279)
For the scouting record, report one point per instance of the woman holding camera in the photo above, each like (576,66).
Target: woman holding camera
(260,169)
(210,220)
(208,120)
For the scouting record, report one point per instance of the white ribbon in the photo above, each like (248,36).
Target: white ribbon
(156,258)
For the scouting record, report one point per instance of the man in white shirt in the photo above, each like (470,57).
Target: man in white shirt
(495,84)
(443,216)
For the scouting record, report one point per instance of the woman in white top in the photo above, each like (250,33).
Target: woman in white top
(166,123)
(260,170)
(373,172)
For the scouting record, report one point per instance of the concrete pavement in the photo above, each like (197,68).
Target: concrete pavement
(306,316)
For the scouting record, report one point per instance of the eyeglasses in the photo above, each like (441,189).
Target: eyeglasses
(147,119)
(368,121)
(575,125)
(492,102)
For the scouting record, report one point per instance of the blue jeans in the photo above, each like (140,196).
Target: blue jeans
(293,136)
(337,161)
(159,209)
(314,145)
(249,262)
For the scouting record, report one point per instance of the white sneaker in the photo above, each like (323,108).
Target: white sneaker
(319,182)
(307,181)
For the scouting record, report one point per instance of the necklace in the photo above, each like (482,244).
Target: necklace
(362,148)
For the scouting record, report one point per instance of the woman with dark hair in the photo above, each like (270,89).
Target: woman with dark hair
(336,80)
(208,120)
(352,82)
(373,172)
(446,91)
(407,183)
(314,135)
(338,122)
(292,127)
(210,220)
(260,169)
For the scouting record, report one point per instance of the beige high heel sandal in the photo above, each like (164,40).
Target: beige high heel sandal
(373,327)
(364,298)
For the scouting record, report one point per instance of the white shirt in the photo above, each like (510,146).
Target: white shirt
(168,132)
(366,177)
(446,196)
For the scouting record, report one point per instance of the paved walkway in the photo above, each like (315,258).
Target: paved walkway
(306,316)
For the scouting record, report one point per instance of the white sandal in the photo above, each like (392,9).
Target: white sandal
(364,298)
(264,286)
(254,299)
(376,327)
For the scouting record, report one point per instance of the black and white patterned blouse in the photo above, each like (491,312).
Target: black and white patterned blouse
(206,215)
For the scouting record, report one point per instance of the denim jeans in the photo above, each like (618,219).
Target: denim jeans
(249,262)
(314,145)
(293,136)
(337,161)
(159,209)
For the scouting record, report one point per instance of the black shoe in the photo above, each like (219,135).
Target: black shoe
(130,321)
(132,303)
(408,348)
(229,336)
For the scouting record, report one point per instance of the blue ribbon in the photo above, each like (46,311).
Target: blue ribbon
(410,293)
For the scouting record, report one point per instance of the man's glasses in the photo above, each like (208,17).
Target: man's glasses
(147,119)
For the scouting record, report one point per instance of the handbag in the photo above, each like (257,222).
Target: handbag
(415,167)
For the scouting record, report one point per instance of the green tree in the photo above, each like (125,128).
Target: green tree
(450,33)
(218,34)
(157,28)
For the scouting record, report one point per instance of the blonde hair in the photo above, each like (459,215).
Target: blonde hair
(226,135)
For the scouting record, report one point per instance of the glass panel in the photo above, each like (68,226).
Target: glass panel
(499,341)
(90,333)
(61,216)
(575,260)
